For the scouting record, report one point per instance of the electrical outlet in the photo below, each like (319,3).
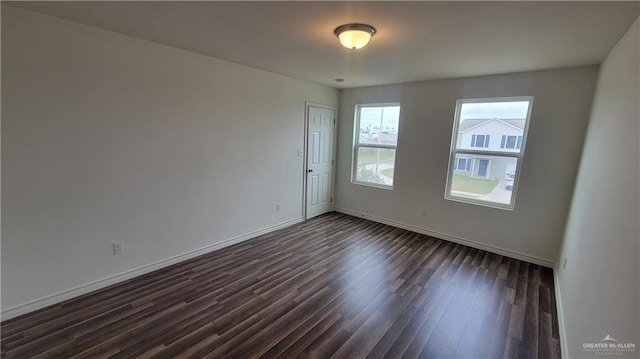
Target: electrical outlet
(118,248)
(277,208)
(424,213)
(564,265)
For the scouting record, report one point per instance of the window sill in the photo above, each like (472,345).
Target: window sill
(374,185)
(506,207)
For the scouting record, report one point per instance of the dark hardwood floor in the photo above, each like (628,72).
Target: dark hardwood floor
(335,286)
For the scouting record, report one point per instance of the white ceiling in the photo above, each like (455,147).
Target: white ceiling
(415,40)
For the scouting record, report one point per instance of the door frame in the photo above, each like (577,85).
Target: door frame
(476,174)
(305,152)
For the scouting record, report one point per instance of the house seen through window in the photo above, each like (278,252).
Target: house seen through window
(375,141)
(487,149)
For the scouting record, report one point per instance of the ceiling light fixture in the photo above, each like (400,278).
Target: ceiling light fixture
(354,36)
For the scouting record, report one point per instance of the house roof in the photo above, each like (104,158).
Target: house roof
(474,122)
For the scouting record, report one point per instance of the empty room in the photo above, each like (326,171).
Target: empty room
(320,179)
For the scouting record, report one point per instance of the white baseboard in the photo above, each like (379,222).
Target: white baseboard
(564,346)
(450,238)
(120,277)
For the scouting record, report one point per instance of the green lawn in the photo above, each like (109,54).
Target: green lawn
(473,185)
(371,154)
(387,172)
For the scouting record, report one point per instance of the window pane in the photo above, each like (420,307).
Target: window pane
(379,125)
(491,126)
(375,165)
(461,164)
(490,179)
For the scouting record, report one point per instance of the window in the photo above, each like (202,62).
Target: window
(462,164)
(481,171)
(480,140)
(511,142)
(374,144)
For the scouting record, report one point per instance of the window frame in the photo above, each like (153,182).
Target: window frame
(485,140)
(467,164)
(357,144)
(519,156)
(517,142)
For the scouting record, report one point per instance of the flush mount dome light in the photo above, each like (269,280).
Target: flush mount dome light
(354,36)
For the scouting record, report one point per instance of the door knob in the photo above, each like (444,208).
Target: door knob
(309,170)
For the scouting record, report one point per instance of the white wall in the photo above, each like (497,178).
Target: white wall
(109,138)
(534,230)
(600,284)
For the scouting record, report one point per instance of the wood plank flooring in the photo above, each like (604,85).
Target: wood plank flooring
(334,286)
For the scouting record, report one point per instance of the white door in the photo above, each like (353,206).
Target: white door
(320,128)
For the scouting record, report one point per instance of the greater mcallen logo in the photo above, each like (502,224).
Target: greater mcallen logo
(609,346)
